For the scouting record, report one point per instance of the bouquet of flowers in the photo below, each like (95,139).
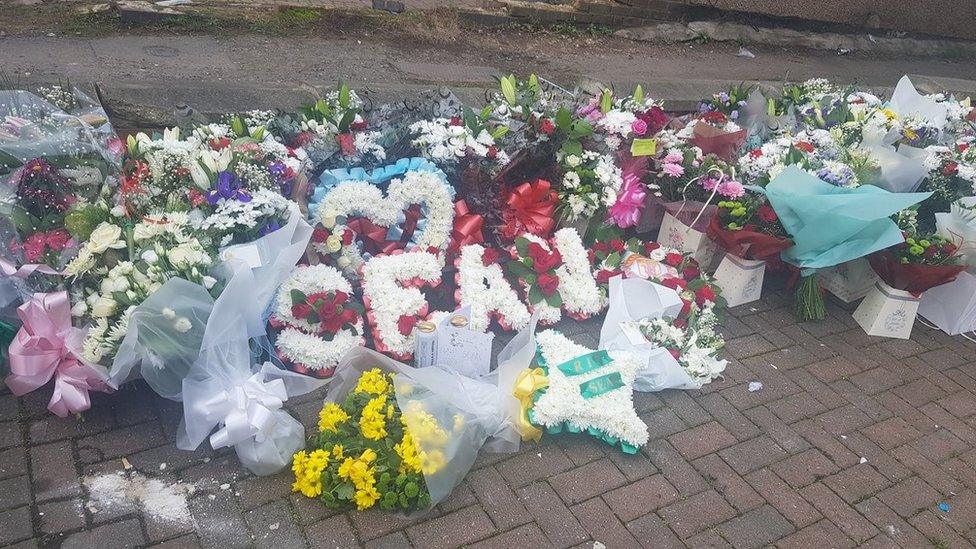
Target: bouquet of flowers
(693,342)
(749,228)
(334,130)
(715,133)
(921,262)
(951,176)
(317,320)
(41,201)
(366,453)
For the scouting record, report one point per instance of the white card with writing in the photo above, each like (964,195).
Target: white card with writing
(464,351)
(245,253)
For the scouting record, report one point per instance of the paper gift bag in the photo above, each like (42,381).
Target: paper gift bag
(849,281)
(887,312)
(741,280)
(952,306)
(677,235)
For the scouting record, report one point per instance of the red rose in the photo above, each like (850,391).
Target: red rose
(349,316)
(675,353)
(548,283)
(650,247)
(490,256)
(715,118)
(543,261)
(675,284)
(681,323)
(805,146)
(685,308)
(767,214)
(601,247)
(950,169)
(320,235)
(347,237)
(690,273)
(963,147)
(456,121)
(674,259)
(492,152)
(655,118)
(406,323)
(618,245)
(546,126)
(704,294)
(591,255)
(605,275)
(217,144)
(301,310)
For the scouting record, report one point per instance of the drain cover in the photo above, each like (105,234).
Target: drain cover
(161,51)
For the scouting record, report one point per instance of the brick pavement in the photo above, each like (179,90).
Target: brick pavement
(853,440)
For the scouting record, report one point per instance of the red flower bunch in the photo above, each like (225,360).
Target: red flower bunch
(715,118)
(805,147)
(331,311)
(536,266)
(692,287)
(655,118)
(546,126)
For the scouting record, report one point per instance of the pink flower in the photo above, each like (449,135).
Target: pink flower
(674,170)
(626,211)
(731,189)
(34,247)
(639,127)
(674,157)
(709,183)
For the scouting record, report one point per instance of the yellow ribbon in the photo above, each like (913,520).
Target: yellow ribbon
(528,382)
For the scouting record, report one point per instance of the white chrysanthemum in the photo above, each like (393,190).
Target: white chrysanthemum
(388,300)
(563,402)
(487,292)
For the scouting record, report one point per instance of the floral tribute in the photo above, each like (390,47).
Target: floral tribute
(555,275)
(366,456)
(481,284)
(691,339)
(394,302)
(587,390)
(749,228)
(357,220)
(317,320)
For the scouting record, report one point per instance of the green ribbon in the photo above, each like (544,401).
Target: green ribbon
(7,333)
(585,363)
(600,385)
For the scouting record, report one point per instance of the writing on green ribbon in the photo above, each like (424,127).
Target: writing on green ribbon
(600,385)
(585,363)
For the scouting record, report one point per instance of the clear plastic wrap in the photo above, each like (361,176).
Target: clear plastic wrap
(470,413)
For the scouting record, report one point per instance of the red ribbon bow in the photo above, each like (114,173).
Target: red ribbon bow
(531,206)
(467,227)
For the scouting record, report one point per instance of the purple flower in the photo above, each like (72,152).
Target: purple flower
(228,188)
(271,227)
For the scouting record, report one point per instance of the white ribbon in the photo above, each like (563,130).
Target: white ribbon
(247,411)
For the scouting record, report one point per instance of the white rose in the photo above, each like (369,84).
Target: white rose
(120,284)
(105,236)
(343,262)
(333,244)
(182,325)
(104,307)
(145,231)
(150,256)
(329,218)
(573,161)
(209,282)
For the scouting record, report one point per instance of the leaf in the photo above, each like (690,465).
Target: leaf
(555,300)
(508,89)
(345,491)
(470,120)
(580,128)
(346,121)
(573,148)
(485,112)
(344,96)
(312,318)
(499,132)
(522,246)
(535,295)
(639,94)
(606,101)
(298,296)
(564,119)
(534,84)
(518,269)
(237,126)
(613,260)
(696,284)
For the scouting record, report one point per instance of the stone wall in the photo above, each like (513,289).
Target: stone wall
(955,18)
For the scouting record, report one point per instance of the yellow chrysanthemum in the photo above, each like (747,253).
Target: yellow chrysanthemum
(331,416)
(308,469)
(366,498)
(431,462)
(425,428)
(409,454)
(373,382)
(373,421)
(337,451)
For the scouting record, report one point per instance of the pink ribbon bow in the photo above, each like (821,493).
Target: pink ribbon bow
(626,211)
(45,348)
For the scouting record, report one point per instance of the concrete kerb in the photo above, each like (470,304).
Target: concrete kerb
(829,41)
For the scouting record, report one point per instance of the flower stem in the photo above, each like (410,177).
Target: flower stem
(809,300)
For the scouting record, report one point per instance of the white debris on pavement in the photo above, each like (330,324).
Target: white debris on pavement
(155,498)
(755,386)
